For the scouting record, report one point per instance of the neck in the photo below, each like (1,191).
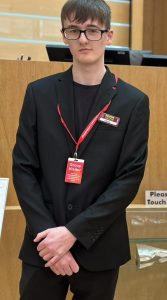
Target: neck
(88,75)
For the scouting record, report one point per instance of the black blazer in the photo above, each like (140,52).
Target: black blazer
(115,157)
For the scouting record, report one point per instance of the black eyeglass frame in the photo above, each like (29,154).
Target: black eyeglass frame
(83,31)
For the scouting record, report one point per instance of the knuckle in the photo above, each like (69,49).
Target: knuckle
(44,244)
(59,251)
(49,248)
(44,258)
(64,264)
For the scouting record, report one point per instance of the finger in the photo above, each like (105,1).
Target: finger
(55,270)
(62,272)
(47,257)
(74,266)
(41,235)
(43,252)
(59,270)
(42,245)
(68,270)
(52,261)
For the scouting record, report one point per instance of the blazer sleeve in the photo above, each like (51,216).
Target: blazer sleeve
(97,218)
(26,169)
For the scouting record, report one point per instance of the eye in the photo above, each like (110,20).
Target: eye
(93,30)
(73,30)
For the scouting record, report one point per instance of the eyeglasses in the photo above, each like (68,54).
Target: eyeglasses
(91,34)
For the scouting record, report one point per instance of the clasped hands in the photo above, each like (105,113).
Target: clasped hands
(54,245)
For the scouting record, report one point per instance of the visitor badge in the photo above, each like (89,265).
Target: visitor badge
(74,170)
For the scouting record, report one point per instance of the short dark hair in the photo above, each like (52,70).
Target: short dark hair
(82,10)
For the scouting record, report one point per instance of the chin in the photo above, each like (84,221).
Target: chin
(88,60)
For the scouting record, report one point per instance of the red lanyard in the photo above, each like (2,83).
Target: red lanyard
(86,130)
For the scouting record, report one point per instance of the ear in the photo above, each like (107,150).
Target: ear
(109,37)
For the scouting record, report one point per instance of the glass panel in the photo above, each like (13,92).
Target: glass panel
(147,228)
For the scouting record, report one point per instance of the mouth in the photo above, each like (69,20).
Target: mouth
(85,50)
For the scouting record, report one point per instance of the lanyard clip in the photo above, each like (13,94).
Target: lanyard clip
(75,155)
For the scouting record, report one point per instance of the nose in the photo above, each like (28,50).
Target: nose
(83,38)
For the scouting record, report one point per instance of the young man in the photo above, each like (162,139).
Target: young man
(78,162)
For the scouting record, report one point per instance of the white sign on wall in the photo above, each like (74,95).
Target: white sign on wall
(156,198)
(4,182)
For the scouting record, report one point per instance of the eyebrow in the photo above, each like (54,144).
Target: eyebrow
(88,26)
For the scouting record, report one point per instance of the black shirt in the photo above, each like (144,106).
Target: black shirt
(84,97)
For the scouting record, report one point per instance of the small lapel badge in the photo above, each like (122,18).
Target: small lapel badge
(109,119)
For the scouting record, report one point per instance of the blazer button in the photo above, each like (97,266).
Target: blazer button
(69,206)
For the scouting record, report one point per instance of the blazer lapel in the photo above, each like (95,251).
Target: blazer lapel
(66,101)
(107,92)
